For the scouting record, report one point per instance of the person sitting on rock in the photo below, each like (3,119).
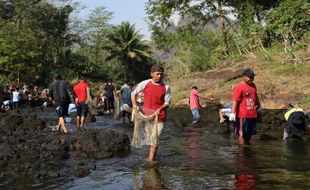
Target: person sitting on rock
(225,112)
(296,126)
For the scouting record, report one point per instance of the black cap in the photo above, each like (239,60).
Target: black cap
(249,73)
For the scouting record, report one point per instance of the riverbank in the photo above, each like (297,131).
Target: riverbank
(278,83)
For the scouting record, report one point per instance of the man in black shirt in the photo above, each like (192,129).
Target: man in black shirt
(60,94)
(109,92)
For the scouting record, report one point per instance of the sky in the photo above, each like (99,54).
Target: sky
(123,10)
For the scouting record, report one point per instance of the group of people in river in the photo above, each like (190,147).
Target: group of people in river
(244,109)
(146,104)
(156,98)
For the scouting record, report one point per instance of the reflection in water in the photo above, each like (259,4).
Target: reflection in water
(151,178)
(194,153)
(246,161)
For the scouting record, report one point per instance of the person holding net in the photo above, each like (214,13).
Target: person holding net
(157,97)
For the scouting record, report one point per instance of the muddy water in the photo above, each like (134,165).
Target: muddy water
(199,157)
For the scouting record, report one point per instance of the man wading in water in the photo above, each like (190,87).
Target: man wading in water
(244,107)
(157,97)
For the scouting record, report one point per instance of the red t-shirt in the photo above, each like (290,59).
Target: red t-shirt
(80,90)
(154,98)
(246,95)
(194,100)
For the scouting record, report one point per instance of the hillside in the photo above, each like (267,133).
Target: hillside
(278,83)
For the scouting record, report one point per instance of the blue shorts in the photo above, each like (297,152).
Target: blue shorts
(82,110)
(62,110)
(196,115)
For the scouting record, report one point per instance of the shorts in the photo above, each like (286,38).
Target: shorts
(152,132)
(82,110)
(226,111)
(110,103)
(62,110)
(245,127)
(196,115)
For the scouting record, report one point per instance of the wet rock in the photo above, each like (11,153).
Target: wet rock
(102,143)
(266,137)
(36,152)
(52,174)
(102,155)
(81,170)
(7,152)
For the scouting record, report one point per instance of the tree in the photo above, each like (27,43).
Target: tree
(128,48)
(98,28)
(204,11)
(33,37)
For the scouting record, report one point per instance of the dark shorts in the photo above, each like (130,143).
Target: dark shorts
(110,102)
(248,126)
(82,110)
(62,110)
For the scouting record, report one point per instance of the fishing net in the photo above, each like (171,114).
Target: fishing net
(146,129)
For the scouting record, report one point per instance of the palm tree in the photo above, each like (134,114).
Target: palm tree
(128,47)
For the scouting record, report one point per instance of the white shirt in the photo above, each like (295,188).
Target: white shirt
(15,96)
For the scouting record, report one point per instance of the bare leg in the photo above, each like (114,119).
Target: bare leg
(222,119)
(240,140)
(152,153)
(78,124)
(63,125)
(58,126)
(82,122)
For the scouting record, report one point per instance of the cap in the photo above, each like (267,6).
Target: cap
(249,73)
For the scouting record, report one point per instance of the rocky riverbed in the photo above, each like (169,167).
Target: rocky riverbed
(30,150)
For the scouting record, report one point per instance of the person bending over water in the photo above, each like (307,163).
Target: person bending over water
(296,120)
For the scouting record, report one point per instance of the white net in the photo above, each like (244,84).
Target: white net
(146,129)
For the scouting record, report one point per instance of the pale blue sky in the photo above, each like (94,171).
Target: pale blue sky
(123,10)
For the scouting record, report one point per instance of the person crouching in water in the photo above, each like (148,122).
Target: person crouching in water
(157,97)
(194,104)
(244,107)
(295,123)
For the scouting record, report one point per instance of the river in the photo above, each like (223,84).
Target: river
(198,157)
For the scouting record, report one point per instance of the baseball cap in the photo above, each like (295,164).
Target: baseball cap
(249,73)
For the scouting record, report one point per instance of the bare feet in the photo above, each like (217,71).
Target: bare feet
(222,120)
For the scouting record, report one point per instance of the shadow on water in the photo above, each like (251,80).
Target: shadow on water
(202,156)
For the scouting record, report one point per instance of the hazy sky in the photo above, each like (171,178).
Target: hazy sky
(123,10)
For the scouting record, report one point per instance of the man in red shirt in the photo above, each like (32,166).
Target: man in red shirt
(244,108)
(82,96)
(157,97)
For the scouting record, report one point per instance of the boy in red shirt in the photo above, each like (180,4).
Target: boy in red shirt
(244,108)
(194,104)
(81,91)
(157,97)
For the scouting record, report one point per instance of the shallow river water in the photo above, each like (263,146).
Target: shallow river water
(199,157)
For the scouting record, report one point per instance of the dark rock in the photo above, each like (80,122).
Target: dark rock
(102,143)
(81,171)
(52,174)
(265,137)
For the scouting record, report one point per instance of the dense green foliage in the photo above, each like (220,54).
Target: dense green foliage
(39,38)
(213,31)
